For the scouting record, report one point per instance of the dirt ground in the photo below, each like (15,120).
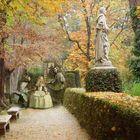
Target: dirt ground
(50,124)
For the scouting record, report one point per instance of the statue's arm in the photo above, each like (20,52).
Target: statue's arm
(106,28)
(100,25)
(100,22)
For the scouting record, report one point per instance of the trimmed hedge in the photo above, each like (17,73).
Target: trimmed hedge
(57,96)
(102,119)
(72,79)
(135,61)
(103,80)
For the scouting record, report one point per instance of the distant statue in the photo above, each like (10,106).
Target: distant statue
(58,82)
(21,96)
(57,86)
(59,78)
(51,71)
(101,40)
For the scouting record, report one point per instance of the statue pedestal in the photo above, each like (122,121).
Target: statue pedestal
(103,79)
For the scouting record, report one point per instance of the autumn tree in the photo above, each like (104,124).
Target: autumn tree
(83,50)
(85,10)
(34,11)
(3,36)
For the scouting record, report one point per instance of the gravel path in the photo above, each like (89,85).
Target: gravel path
(50,124)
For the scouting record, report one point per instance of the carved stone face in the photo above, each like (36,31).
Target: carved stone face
(103,10)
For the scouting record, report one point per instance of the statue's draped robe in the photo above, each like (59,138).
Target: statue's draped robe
(102,43)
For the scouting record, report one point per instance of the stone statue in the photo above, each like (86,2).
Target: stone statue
(101,41)
(58,82)
(51,72)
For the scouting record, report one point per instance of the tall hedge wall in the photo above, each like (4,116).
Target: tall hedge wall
(135,61)
(72,79)
(103,120)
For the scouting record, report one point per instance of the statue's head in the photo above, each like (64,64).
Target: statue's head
(103,10)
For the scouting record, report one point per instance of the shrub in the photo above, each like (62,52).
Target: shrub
(103,80)
(103,120)
(72,79)
(34,73)
(135,62)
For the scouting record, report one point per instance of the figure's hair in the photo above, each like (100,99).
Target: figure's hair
(102,9)
(58,69)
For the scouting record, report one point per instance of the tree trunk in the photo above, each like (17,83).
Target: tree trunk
(2,77)
(88,36)
(7,81)
(3,36)
(15,77)
(2,65)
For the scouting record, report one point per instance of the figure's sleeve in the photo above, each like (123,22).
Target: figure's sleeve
(100,23)
(62,78)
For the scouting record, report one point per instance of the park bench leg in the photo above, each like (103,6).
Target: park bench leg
(8,127)
(14,117)
(2,131)
(18,116)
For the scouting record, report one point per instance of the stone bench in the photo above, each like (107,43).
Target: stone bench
(14,111)
(4,123)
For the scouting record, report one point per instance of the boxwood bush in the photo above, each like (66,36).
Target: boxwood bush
(72,79)
(103,80)
(102,119)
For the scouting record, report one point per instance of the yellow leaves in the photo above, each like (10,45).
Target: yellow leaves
(80,36)
(138,11)
(35,10)
(119,56)
(1,5)
(113,129)
(118,98)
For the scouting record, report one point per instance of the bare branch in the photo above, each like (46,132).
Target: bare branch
(117,36)
(108,5)
(63,25)
(122,29)
(92,5)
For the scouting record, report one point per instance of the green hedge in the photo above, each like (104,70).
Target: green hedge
(72,79)
(103,80)
(103,120)
(34,73)
(135,61)
(57,96)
